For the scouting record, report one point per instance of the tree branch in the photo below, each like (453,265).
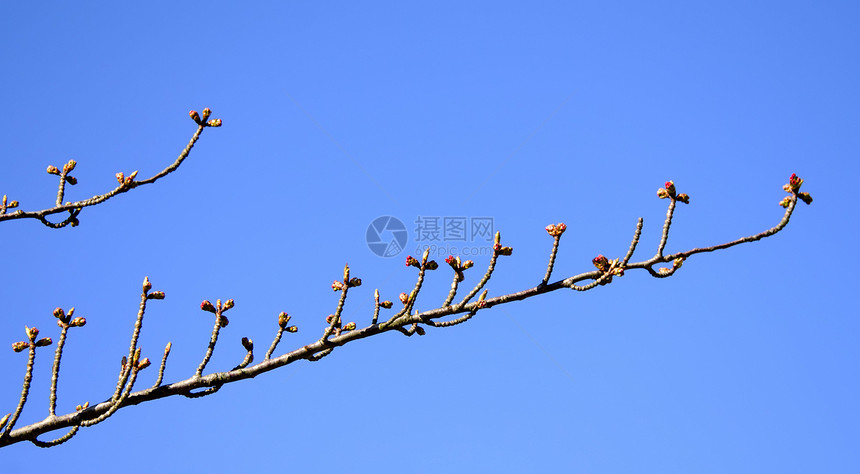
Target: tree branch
(336,334)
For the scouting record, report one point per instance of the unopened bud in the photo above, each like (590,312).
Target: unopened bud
(223,321)
(337,285)
(431,265)
(355,282)
(207,306)
(204,115)
(683,198)
(12,204)
(146,284)
(404,298)
(419,330)
(349,326)
(386,304)
(69,166)
(247,344)
(45,341)
(412,262)
(805,197)
(601,262)
(155,295)
(292,329)
(20,346)
(505,250)
(120,177)
(59,313)
(32,333)
(670,187)
(144,363)
(78,322)
(794,182)
(329,318)
(214,123)
(468,264)
(53,170)
(228,304)
(786,201)
(662,193)
(194,116)
(283,319)
(71,180)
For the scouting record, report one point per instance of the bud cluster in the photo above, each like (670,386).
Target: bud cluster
(202,118)
(66,320)
(283,320)
(793,187)
(556,230)
(668,191)
(124,180)
(459,266)
(7,205)
(32,334)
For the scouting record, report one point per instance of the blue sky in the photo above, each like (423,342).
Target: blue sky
(336,114)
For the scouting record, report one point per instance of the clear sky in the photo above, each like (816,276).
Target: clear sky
(525,114)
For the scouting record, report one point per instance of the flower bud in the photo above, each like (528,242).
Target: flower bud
(204,115)
(670,187)
(223,321)
(431,265)
(683,198)
(354,282)
(329,318)
(601,262)
(805,197)
(71,180)
(786,201)
(20,346)
(214,123)
(78,322)
(662,193)
(468,264)
(53,170)
(283,319)
(205,305)
(146,284)
(144,363)
(32,333)
(292,329)
(505,250)
(556,230)
(194,116)
(45,341)
(228,304)
(794,182)
(12,204)
(420,330)
(386,304)
(120,177)
(349,326)
(59,313)
(69,166)
(412,262)
(404,298)
(337,285)
(678,262)
(155,295)
(247,344)
(74,222)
